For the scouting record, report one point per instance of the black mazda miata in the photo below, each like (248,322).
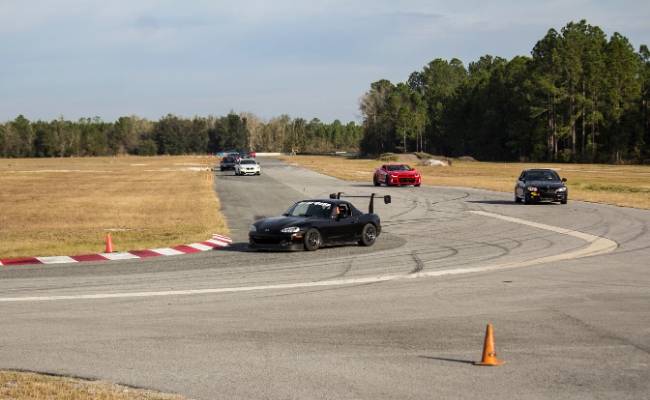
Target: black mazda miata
(310,224)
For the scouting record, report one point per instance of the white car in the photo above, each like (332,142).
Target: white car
(247,166)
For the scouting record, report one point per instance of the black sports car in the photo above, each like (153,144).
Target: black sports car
(310,224)
(228,162)
(540,185)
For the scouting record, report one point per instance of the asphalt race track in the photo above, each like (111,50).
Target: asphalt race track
(566,287)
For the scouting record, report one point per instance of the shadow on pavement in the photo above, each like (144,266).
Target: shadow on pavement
(448,359)
(509,202)
(506,202)
(239,247)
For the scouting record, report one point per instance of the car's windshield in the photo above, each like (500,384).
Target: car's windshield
(401,167)
(310,209)
(248,162)
(227,159)
(541,176)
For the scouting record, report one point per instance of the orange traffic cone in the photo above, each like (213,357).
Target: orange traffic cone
(109,243)
(489,352)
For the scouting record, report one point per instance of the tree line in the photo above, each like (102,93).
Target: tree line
(174,135)
(580,97)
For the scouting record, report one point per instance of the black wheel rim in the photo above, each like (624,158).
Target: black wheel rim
(313,239)
(370,234)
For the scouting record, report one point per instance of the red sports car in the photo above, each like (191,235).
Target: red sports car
(397,175)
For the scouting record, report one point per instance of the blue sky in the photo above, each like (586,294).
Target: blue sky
(303,58)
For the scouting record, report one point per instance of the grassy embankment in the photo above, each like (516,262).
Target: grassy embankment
(623,185)
(30,386)
(67,206)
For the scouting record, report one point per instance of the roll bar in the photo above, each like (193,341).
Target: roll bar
(371,206)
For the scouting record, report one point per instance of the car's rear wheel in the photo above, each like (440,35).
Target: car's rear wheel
(368,235)
(312,239)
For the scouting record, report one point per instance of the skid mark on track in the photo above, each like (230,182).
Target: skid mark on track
(596,246)
(419,265)
(347,268)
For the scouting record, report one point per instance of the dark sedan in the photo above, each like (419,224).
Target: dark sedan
(310,224)
(228,162)
(536,185)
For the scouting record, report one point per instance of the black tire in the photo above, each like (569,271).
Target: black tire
(564,200)
(312,239)
(418,185)
(368,235)
(375,181)
(517,199)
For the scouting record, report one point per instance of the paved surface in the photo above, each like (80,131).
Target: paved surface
(403,319)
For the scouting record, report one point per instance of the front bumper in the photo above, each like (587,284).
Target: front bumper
(547,196)
(404,181)
(275,241)
(249,172)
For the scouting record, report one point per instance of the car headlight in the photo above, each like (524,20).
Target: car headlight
(290,229)
(252,228)
(532,188)
(562,189)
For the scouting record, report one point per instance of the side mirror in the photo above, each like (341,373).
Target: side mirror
(387,199)
(563,179)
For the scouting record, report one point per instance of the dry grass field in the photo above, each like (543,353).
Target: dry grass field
(30,386)
(623,185)
(67,206)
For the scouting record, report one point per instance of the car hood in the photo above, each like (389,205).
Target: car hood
(545,184)
(274,224)
(403,173)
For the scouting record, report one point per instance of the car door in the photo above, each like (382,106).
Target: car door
(339,227)
(346,223)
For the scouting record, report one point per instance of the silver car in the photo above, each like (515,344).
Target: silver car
(247,166)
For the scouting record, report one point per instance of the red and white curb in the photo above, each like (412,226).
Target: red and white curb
(217,242)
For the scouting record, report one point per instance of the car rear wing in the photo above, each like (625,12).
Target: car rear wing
(371,206)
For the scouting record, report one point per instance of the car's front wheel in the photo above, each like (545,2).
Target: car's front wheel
(312,239)
(375,181)
(527,199)
(517,198)
(368,235)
